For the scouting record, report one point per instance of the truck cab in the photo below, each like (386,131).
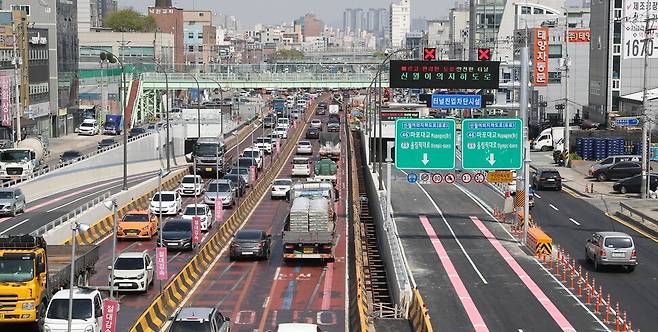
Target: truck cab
(87,311)
(208,155)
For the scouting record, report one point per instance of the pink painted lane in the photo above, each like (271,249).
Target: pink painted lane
(550,307)
(458,285)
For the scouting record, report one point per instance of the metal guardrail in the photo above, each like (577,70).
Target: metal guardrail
(45,170)
(67,217)
(150,78)
(632,211)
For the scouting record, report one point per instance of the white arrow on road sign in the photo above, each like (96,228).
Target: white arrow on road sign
(466,177)
(437,177)
(425,160)
(491,159)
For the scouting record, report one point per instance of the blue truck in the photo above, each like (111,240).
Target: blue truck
(113,124)
(279,106)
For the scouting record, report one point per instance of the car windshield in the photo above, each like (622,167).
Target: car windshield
(14,155)
(208,149)
(282,183)
(139,217)
(195,211)
(165,197)
(15,269)
(245,162)
(219,187)
(6,195)
(190,326)
(618,242)
(132,263)
(177,226)
(190,179)
(59,309)
(248,236)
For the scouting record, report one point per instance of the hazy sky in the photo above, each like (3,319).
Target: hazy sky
(249,12)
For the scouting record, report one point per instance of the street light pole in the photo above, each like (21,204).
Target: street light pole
(168,148)
(115,212)
(76,228)
(198,104)
(221,104)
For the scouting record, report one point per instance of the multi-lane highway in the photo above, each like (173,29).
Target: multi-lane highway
(258,295)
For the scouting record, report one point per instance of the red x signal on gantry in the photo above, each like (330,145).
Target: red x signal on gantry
(429,53)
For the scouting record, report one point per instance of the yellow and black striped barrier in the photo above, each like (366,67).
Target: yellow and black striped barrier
(418,314)
(540,243)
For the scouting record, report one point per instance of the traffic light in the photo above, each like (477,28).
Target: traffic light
(484,54)
(429,53)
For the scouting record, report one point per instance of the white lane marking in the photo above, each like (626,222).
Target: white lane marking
(468,257)
(537,196)
(488,210)
(553,207)
(575,222)
(267,300)
(83,197)
(276,274)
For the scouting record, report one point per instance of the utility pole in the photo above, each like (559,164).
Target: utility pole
(523,100)
(471,29)
(644,188)
(124,103)
(15,60)
(567,146)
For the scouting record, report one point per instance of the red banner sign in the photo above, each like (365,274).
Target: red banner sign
(110,308)
(579,35)
(5,84)
(219,210)
(252,173)
(196,228)
(541,57)
(161,263)
(278,146)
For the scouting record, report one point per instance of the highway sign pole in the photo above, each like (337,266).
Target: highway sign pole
(526,146)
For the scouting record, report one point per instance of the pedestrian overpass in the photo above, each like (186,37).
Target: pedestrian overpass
(147,89)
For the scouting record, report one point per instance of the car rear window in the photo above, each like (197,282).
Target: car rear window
(300,161)
(551,174)
(282,182)
(247,236)
(191,210)
(165,197)
(618,242)
(177,226)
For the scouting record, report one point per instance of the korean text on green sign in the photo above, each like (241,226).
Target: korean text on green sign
(492,144)
(425,144)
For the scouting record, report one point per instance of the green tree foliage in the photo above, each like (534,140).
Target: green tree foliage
(128,20)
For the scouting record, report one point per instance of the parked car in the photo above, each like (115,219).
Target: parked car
(633,184)
(220,189)
(191,185)
(316,123)
(547,178)
(137,224)
(170,201)
(607,162)
(106,142)
(250,243)
(136,131)
(202,211)
(238,182)
(281,132)
(87,311)
(301,166)
(199,319)
(281,188)
(304,147)
(12,201)
(611,248)
(176,234)
(620,170)
(255,154)
(88,127)
(69,157)
(312,133)
(133,271)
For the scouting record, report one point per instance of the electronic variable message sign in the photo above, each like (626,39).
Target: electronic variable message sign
(444,74)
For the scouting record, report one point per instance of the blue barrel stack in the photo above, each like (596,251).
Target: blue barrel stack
(590,148)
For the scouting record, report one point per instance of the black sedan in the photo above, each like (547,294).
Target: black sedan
(321,111)
(177,234)
(134,132)
(238,183)
(69,157)
(250,243)
(619,170)
(312,133)
(106,142)
(633,184)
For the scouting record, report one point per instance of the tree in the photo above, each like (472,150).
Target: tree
(128,20)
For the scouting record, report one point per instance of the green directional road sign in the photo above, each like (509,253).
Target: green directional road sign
(425,143)
(492,144)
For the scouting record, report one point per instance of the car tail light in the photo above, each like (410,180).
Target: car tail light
(290,246)
(326,247)
(633,254)
(602,253)
(542,178)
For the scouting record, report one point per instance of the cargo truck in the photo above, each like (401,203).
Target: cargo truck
(21,162)
(31,271)
(113,125)
(310,228)
(207,154)
(548,139)
(330,145)
(325,170)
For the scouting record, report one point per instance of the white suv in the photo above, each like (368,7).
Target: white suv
(264,144)
(88,127)
(133,271)
(87,311)
(256,154)
(301,166)
(171,202)
(188,185)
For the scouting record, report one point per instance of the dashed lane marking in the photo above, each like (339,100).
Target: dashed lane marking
(553,207)
(575,222)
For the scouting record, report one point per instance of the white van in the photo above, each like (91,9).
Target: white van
(283,122)
(87,311)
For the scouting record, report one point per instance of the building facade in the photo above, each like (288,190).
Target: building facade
(170,21)
(399,22)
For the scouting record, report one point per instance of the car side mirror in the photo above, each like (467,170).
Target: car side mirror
(41,267)
(228,319)
(109,267)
